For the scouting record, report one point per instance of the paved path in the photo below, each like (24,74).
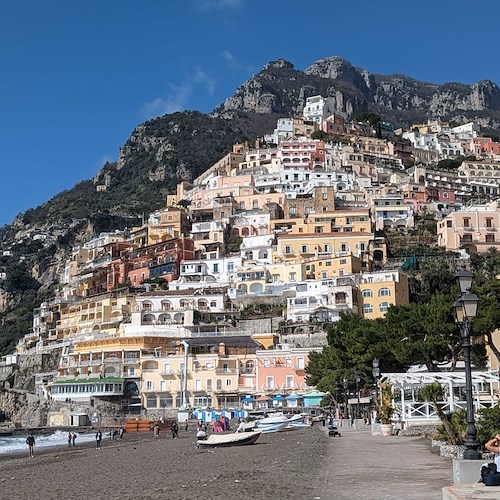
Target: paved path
(361,466)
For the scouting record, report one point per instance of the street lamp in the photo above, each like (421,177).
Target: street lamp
(465,309)
(358,380)
(346,398)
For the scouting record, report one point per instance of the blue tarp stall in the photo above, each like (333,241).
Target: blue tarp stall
(247,403)
(313,398)
(292,401)
(278,400)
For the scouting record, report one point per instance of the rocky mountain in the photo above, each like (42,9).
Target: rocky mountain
(165,150)
(280,88)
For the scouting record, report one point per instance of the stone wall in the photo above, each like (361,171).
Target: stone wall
(35,363)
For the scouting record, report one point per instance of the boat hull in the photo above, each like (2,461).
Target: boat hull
(236,439)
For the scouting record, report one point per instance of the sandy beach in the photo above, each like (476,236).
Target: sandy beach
(279,465)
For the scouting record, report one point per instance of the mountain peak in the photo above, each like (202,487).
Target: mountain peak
(279,64)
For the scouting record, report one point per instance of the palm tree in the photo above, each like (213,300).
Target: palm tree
(434,393)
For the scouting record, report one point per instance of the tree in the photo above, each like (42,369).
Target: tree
(371,118)
(434,393)
(423,333)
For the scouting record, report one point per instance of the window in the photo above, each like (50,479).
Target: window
(290,382)
(318,229)
(216,268)
(343,247)
(219,384)
(151,402)
(489,222)
(228,382)
(303,249)
(383,307)
(149,385)
(209,385)
(367,308)
(269,382)
(255,204)
(384,292)
(230,267)
(449,223)
(288,249)
(292,276)
(343,261)
(490,238)
(466,238)
(293,210)
(466,222)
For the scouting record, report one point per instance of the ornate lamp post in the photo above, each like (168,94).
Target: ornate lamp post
(465,309)
(346,386)
(358,380)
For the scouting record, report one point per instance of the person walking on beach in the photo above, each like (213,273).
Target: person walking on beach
(175,430)
(69,438)
(156,431)
(30,441)
(98,439)
(74,438)
(120,433)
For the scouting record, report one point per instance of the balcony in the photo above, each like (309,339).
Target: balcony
(168,373)
(226,371)
(299,367)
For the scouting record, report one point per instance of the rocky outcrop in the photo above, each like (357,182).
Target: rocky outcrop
(281,88)
(23,408)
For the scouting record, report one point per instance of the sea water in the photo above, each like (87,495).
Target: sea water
(14,444)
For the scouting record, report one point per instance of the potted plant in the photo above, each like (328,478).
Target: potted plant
(385,409)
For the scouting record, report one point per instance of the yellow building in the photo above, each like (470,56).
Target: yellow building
(331,267)
(380,290)
(307,245)
(99,314)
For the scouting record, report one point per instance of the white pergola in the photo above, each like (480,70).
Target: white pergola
(484,384)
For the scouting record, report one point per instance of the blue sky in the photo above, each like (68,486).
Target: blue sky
(77,77)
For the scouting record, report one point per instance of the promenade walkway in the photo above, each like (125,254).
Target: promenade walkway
(361,466)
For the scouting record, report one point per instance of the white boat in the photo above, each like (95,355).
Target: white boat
(298,421)
(234,439)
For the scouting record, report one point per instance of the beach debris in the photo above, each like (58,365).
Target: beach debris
(237,481)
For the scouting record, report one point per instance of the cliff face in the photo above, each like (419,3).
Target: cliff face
(280,88)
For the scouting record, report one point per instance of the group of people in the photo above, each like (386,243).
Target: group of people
(71,438)
(174,429)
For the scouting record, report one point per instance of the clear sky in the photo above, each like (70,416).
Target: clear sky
(77,77)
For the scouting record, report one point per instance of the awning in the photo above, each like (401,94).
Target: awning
(247,399)
(293,397)
(263,398)
(278,397)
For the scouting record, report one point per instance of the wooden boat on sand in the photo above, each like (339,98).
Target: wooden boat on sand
(234,439)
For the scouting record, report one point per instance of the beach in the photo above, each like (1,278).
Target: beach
(279,465)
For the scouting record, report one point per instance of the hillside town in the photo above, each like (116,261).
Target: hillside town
(217,299)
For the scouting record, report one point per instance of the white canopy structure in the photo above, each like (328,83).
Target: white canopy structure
(485,386)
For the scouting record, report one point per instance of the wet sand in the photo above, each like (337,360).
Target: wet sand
(279,465)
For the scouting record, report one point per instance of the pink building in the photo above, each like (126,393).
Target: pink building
(282,370)
(473,228)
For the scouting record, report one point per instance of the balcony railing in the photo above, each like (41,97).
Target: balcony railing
(226,371)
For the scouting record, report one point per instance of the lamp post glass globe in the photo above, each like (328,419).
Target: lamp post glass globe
(464,278)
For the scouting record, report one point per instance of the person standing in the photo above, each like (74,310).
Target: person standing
(74,438)
(156,431)
(69,438)
(98,439)
(175,430)
(30,441)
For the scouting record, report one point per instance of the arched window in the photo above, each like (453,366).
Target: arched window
(366,293)
(383,307)
(147,306)
(384,292)
(249,366)
(219,384)
(367,308)
(166,305)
